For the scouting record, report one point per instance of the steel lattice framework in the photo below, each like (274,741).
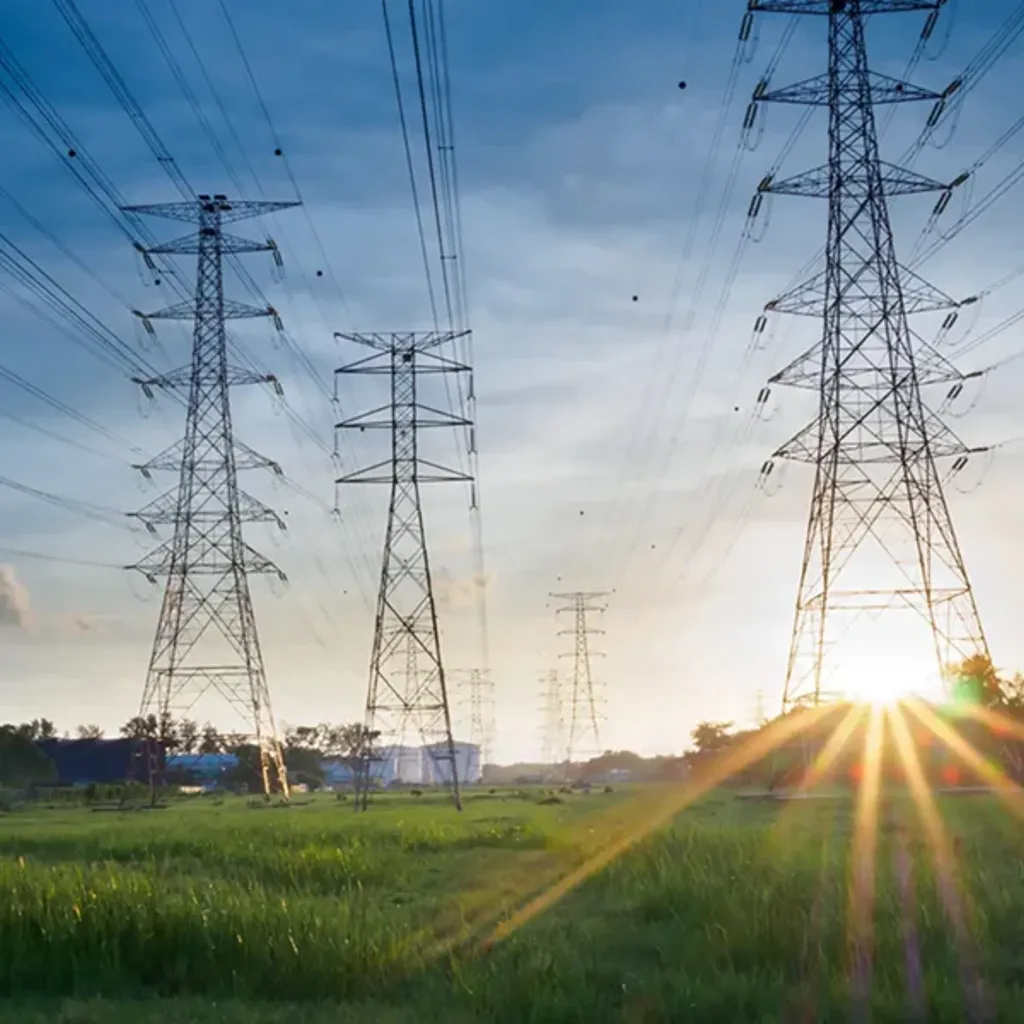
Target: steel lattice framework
(552,738)
(584,718)
(481,713)
(206,636)
(406,637)
(879,534)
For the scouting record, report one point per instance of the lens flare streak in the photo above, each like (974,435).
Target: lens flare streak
(945,865)
(861,903)
(731,762)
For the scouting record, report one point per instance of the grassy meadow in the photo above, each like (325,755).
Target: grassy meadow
(217,910)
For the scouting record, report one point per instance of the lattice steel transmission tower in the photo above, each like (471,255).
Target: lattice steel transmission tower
(406,614)
(476,690)
(481,714)
(879,535)
(584,717)
(552,736)
(206,636)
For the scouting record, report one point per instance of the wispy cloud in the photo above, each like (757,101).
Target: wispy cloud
(15,604)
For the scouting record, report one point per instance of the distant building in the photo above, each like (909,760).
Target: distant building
(339,773)
(81,762)
(409,766)
(205,770)
(437,765)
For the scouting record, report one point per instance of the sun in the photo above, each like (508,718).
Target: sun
(887,682)
(877,691)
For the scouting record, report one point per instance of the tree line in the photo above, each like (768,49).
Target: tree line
(986,710)
(304,747)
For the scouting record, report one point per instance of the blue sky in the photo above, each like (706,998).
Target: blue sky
(611,454)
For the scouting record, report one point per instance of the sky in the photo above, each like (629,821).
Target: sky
(619,439)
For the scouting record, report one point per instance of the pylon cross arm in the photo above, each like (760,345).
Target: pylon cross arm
(814,92)
(865,7)
(193,212)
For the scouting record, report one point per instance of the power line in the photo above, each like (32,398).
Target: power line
(103,64)
(98,513)
(410,167)
(42,557)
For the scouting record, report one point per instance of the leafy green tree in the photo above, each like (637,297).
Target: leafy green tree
(141,727)
(326,739)
(210,741)
(22,763)
(976,682)
(711,736)
(188,736)
(303,766)
(150,727)
(37,729)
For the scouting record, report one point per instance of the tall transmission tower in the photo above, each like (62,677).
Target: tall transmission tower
(879,535)
(406,614)
(584,718)
(552,737)
(206,636)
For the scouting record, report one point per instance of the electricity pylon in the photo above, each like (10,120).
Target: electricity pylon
(206,636)
(552,737)
(879,535)
(481,713)
(406,608)
(584,718)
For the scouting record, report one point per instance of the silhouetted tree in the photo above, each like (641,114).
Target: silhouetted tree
(210,741)
(303,765)
(89,732)
(141,727)
(37,729)
(22,763)
(188,736)
(326,739)
(976,681)
(149,727)
(709,736)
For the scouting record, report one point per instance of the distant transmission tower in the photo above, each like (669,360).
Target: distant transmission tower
(584,728)
(879,536)
(481,714)
(406,608)
(552,741)
(476,689)
(206,636)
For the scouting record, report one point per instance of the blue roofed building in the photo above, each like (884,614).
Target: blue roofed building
(81,762)
(205,770)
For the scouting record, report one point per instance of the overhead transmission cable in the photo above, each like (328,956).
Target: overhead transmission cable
(43,557)
(410,166)
(121,92)
(975,71)
(721,490)
(429,45)
(658,382)
(710,335)
(98,513)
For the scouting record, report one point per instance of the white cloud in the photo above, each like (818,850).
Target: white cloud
(15,604)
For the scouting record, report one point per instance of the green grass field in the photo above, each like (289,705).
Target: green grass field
(735,911)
